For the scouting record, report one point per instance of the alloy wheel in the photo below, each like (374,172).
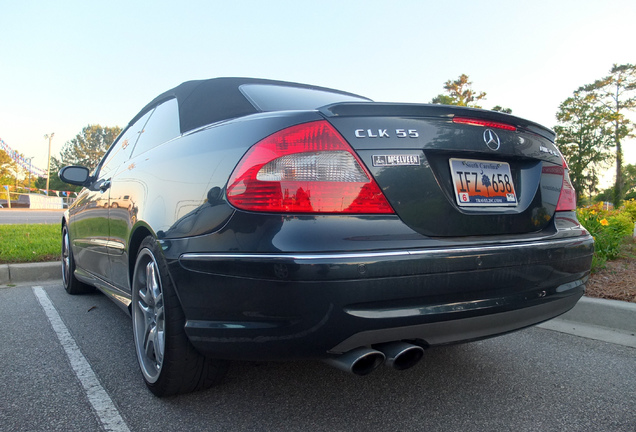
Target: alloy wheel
(148,316)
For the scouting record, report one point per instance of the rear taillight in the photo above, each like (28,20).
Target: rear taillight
(308,168)
(484,123)
(567,198)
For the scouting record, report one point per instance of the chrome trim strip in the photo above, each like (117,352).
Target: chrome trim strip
(116,245)
(374,255)
(93,242)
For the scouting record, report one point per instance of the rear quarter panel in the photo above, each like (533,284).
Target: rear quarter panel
(176,189)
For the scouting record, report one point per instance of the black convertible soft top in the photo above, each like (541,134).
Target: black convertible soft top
(202,102)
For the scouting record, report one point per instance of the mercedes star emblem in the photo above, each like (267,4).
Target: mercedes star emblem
(491,139)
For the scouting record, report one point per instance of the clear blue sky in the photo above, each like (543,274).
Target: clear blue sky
(67,64)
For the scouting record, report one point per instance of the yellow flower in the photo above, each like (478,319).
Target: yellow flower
(604,222)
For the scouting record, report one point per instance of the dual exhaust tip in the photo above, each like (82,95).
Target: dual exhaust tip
(362,361)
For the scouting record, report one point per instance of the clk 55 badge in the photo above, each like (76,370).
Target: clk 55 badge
(384,133)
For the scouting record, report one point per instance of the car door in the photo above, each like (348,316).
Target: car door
(91,218)
(128,190)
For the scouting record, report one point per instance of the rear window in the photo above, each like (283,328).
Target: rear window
(267,97)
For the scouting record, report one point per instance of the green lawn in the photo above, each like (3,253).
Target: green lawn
(30,243)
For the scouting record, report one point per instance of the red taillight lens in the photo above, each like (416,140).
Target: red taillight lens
(484,123)
(308,168)
(567,198)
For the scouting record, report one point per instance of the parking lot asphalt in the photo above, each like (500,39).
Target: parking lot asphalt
(607,320)
(526,381)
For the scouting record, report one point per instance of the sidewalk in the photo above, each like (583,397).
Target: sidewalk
(607,320)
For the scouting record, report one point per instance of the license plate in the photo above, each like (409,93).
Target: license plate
(482,183)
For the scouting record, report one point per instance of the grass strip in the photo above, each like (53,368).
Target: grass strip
(22,243)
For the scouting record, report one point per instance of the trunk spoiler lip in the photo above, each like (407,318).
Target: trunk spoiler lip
(389,109)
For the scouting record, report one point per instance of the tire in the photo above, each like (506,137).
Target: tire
(70,282)
(169,363)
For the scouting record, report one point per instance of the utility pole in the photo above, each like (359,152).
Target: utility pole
(48,169)
(30,159)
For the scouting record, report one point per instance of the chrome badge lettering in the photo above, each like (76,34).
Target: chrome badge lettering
(395,160)
(543,149)
(384,133)
(371,133)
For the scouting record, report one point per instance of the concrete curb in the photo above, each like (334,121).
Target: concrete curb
(614,314)
(607,320)
(30,272)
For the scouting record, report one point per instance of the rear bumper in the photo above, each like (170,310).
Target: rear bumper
(277,306)
(465,329)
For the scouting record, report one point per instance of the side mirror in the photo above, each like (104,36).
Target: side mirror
(75,175)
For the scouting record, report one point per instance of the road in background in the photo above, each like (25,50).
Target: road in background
(532,380)
(28,216)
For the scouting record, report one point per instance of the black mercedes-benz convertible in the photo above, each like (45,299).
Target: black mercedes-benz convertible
(242,219)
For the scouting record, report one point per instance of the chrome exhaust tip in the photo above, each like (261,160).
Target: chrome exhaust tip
(401,355)
(359,361)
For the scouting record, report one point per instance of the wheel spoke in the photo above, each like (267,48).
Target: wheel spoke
(147,312)
(158,303)
(151,281)
(145,298)
(149,341)
(159,312)
(159,345)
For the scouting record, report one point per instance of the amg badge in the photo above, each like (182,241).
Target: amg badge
(395,160)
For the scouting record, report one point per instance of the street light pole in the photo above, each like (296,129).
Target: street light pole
(30,168)
(48,169)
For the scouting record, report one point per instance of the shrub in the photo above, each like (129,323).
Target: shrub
(629,207)
(610,229)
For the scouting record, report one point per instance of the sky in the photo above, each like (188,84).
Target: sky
(67,64)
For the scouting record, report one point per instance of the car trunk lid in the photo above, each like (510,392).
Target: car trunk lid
(454,171)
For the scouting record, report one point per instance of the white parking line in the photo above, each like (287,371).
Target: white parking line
(106,412)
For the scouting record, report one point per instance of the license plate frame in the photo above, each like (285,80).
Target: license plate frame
(482,183)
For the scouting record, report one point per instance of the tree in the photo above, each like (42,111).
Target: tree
(605,195)
(54,180)
(616,94)
(584,139)
(7,168)
(499,108)
(88,146)
(460,93)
